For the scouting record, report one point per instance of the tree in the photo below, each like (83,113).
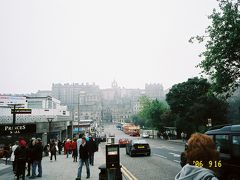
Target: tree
(222,55)
(194,105)
(136,119)
(151,111)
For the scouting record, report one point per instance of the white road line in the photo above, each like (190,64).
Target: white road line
(160,156)
(176,161)
(175,155)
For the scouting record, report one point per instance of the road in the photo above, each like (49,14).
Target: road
(162,164)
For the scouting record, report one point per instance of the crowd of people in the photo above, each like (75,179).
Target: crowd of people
(29,155)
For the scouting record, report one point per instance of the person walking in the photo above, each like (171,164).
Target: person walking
(29,155)
(12,158)
(199,151)
(53,150)
(59,144)
(37,158)
(20,157)
(67,147)
(92,149)
(74,150)
(83,159)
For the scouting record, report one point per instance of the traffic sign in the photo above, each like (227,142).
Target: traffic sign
(21,111)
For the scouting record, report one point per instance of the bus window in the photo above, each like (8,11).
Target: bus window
(222,143)
(236,145)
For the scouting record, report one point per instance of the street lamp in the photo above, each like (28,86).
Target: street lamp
(49,119)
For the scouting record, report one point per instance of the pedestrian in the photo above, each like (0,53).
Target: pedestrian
(92,149)
(200,150)
(67,147)
(53,150)
(37,158)
(20,157)
(30,155)
(12,158)
(59,144)
(74,150)
(83,159)
(182,136)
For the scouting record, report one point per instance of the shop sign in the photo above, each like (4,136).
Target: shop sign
(18,129)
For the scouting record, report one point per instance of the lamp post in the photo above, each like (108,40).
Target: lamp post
(49,119)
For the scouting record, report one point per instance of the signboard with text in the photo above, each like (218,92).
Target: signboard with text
(21,111)
(7,129)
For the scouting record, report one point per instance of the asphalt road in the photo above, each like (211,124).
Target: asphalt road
(163,164)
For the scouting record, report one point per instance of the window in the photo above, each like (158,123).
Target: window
(223,143)
(236,145)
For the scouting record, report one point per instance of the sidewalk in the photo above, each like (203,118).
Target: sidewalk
(62,169)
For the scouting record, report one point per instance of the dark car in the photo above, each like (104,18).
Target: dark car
(227,140)
(137,147)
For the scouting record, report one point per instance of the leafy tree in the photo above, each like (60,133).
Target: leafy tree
(234,107)
(194,105)
(222,54)
(151,111)
(136,119)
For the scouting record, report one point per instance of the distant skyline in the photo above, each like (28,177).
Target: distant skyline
(131,41)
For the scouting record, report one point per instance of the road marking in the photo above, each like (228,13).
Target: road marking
(175,155)
(127,174)
(161,147)
(160,156)
(176,161)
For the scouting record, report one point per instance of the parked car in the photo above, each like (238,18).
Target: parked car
(122,142)
(138,147)
(227,140)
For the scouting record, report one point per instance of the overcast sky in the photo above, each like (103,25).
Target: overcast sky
(132,41)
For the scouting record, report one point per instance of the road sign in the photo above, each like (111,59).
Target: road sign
(21,111)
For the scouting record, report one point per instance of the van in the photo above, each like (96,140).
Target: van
(227,141)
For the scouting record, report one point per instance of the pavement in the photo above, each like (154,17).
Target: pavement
(61,169)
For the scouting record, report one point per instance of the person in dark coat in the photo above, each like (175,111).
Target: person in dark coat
(29,156)
(37,158)
(21,157)
(83,159)
(92,149)
(53,150)
(59,144)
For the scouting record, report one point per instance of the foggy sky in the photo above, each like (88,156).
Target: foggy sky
(131,41)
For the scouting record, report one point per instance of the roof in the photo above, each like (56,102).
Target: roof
(224,129)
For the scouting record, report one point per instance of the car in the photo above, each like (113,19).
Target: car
(145,135)
(227,141)
(138,147)
(111,135)
(122,142)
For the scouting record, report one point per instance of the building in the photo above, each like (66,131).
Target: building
(154,91)
(82,99)
(48,119)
